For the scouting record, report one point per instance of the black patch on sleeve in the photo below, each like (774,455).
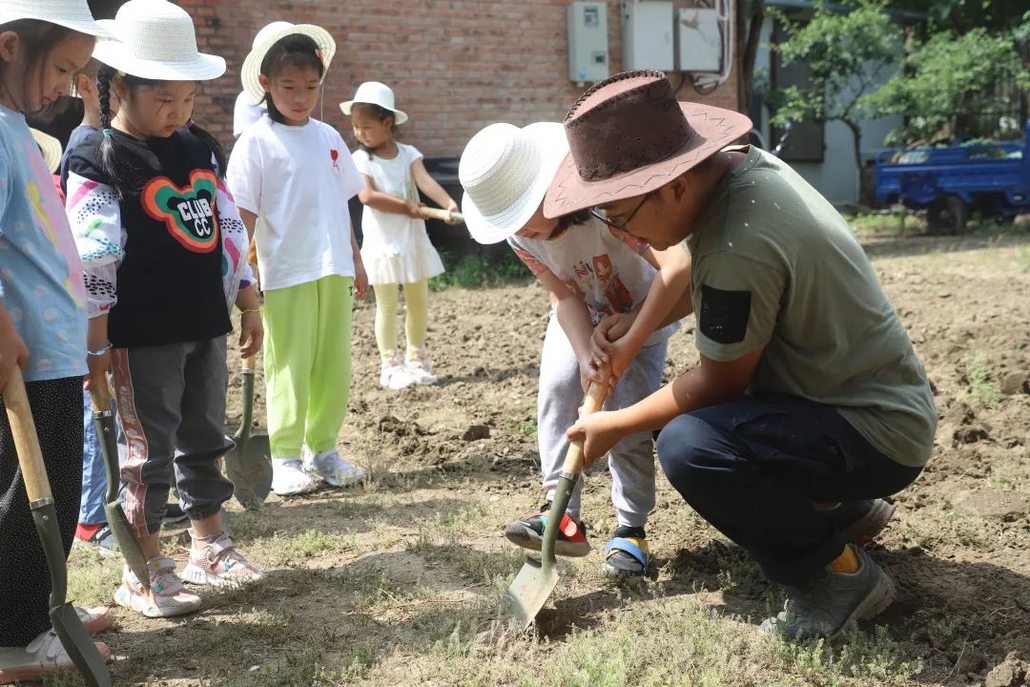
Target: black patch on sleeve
(724,314)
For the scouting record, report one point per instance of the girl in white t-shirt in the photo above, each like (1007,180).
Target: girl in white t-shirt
(292,177)
(593,272)
(396,249)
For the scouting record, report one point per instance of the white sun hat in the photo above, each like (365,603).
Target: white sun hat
(51,149)
(505,172)
(375,93)
(71,14)
(269,36)
(156,40)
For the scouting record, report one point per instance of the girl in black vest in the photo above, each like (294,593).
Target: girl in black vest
(164,251)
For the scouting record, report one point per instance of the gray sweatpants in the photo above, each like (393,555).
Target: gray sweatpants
(631,461)
(171,402)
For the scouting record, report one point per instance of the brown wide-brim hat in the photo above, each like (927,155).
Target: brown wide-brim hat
(628,136)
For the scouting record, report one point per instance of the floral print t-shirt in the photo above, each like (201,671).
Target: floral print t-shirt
(41,282)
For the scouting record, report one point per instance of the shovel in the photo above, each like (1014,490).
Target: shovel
(443,215)
(249,464)
(537,579)
(103,420)
(65,620)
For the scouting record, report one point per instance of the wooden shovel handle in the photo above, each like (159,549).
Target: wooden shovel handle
(591,404)
(26,441)
(249,364)
(100,396)
(443,215)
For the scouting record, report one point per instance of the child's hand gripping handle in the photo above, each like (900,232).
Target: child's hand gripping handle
(443,215)
(26,442)
(100,397)
(592,403)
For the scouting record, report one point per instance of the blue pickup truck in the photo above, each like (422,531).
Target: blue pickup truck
(991,179)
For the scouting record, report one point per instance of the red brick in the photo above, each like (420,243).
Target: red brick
(455,66)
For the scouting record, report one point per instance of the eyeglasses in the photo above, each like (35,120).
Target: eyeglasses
(603,216)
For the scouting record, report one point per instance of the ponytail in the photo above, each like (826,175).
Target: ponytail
(124,177)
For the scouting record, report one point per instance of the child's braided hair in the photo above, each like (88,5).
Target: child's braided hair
(125,178)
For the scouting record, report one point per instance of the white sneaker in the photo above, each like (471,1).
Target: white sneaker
(394,376)
(420,372)
(333,469)
(43,655)
(219,564)
(166,597)
(289,477)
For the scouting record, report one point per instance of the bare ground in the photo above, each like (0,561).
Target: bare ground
(397,582)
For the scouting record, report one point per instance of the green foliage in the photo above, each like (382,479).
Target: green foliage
(847,53)
(981,381)
(947,76)
(964,15)
(472,271)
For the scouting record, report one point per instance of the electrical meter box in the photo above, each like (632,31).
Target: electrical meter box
(588,41)
(647,40)
(698,40)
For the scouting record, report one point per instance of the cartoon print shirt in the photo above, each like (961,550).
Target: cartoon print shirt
(298,181)
(158,262)
(602,267)
(41,282)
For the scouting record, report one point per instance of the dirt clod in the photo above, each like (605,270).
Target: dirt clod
(476,432)
(1016,383)
(1012,672)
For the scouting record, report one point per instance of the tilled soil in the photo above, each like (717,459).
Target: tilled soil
(462,455)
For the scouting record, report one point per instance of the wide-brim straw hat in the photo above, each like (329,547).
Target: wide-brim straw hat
(71,14)
(51,149)
(269,36)
(155,39)
(629,136)
(505,172)
(375,93)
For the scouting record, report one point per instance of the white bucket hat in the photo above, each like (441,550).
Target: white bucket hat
(51,149)
(269,36)
(156,40)
(505,172)
(71,14)
(375,93)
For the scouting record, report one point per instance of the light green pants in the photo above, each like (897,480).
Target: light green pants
(307,363)
(416,297)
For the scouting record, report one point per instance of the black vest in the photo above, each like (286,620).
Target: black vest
(169,284)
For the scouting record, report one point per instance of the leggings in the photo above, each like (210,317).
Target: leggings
(416,297)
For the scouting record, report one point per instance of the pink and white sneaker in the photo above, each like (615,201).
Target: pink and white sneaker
(218,564)
(166,597)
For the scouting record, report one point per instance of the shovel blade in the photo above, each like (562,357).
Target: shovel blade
(77,642)
(249,467)
(127,543)
(529,591)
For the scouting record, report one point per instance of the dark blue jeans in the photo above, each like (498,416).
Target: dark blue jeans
(753,467)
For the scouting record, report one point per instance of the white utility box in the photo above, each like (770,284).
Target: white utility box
(698,40)
(588,41)
(647,40)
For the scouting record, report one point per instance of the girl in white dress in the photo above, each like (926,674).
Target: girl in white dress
(396,249)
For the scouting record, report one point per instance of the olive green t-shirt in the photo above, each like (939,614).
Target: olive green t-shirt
(775,266)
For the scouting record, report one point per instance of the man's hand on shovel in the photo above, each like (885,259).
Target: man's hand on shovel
(598,432)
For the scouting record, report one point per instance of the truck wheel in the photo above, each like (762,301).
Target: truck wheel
(947,215)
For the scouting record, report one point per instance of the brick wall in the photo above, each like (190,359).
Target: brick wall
(455,65)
